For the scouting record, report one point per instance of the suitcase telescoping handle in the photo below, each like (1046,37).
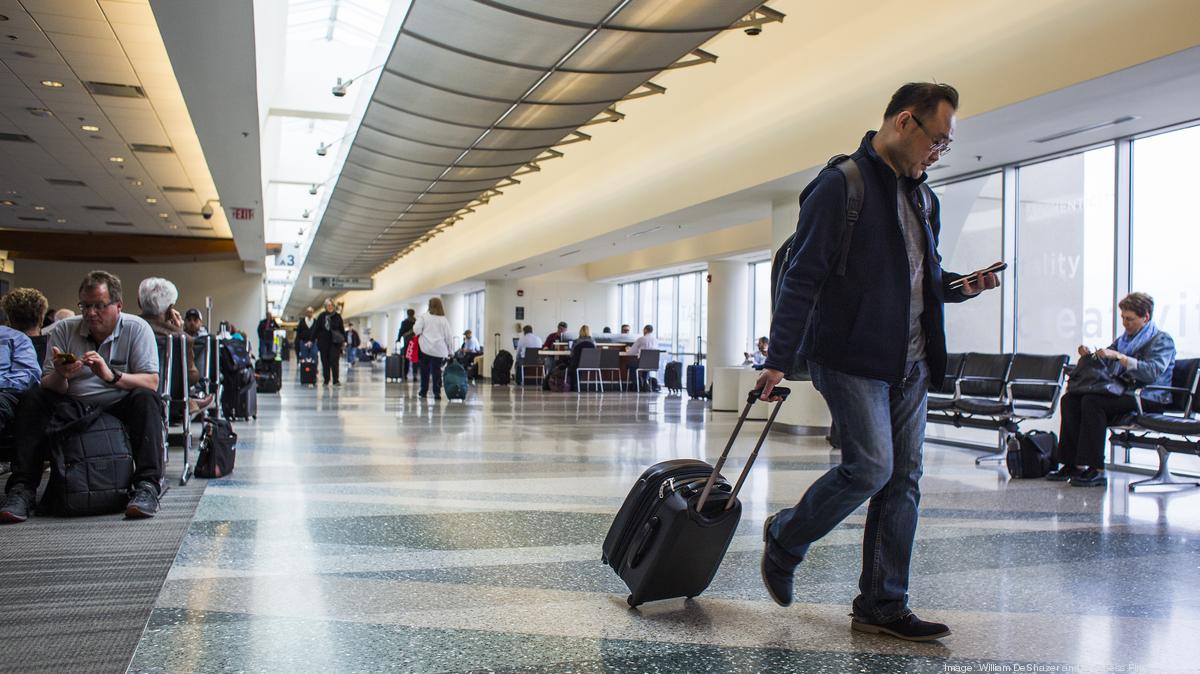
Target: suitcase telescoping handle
(780,391)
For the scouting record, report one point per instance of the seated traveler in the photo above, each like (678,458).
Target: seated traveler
(556,336)
(193,324)
(756,359)
(103,358)
(469,350)
(157,297)
(528,341)
(584,341)
(646,341)
(19,367)
(626,336)
(1142,355)
(25,308)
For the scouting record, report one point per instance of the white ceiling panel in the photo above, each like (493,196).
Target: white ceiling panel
(69,25)
(80,9)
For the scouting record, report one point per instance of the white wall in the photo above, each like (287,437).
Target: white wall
(547,300)
(237,296)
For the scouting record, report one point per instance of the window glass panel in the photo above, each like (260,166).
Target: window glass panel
(665,328)
(1065,253)
(1166,233)
(688,312)
(629,303)
(702,327)
(645,305)
(972,217)
(760,322)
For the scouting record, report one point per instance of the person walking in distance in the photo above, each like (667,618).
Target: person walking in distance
(864,305)
(404,336)
(331,338)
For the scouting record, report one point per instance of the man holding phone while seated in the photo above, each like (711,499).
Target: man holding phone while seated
(864,306)
(102,358)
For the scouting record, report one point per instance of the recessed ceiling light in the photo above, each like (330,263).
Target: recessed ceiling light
(39,208)
(8,202)
(151,200)
(40,112)
(135,182)
(61,221)
(164,215)
(53,84)
(116,160)
(90,127)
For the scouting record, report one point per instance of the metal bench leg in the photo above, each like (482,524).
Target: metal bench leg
(1001,455)
(1163,476)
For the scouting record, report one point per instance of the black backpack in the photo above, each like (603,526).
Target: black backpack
(234,356)
(218,449)
(855,191)
(91,463)
(502,368)
(1029,454)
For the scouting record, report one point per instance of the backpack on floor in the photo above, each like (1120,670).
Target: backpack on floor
(91,462)
(1029,454)
(218,449)
(556,381)
(502,368)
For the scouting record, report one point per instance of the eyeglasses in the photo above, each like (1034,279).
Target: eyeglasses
(942,147)
(84,308)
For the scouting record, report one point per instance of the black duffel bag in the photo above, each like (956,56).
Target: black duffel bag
(91,463)
(1030,454)
(218,449)
(1093,375)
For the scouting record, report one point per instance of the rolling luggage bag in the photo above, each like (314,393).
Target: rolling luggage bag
(268,375)
(695,381)
(393,368)
(454,380)
(308,372)
(675,525)
(673,377)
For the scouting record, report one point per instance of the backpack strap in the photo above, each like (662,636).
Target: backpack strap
(854,202)
(925,198)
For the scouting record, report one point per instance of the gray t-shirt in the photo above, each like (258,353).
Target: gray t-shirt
(130,348)
(914,243)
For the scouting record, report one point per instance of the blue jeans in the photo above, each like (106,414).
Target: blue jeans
(882,432)
(308,350)
(351,354)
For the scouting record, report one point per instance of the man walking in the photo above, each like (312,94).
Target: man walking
(864,305)
(266,337)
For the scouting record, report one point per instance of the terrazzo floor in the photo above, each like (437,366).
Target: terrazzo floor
(366,530)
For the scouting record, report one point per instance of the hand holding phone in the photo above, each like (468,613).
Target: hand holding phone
(978,273)
(66,364)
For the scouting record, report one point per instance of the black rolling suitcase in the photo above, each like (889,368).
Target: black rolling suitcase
(308,372)
(393,368)
(676,523)
(268,375)
(673,377)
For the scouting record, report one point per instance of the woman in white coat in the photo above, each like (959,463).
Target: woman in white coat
(436,344)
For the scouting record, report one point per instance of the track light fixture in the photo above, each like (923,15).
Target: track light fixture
(313,188)
(339,89)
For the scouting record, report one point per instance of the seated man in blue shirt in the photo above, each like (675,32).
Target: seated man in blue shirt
(101,358)
(19,372)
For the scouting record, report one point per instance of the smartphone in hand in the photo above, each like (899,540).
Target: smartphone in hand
(66,357)
(992,269)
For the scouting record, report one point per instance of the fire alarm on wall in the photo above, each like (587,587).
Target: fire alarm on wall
(520,293)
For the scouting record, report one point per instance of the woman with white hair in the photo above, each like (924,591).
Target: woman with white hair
(157,297)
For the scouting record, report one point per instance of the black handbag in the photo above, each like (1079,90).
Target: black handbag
(1093,375)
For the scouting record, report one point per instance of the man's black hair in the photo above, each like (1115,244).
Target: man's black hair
(921,98)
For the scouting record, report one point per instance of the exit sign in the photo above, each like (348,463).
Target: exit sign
(243,214)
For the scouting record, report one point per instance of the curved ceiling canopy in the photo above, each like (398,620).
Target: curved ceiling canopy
(476,93)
